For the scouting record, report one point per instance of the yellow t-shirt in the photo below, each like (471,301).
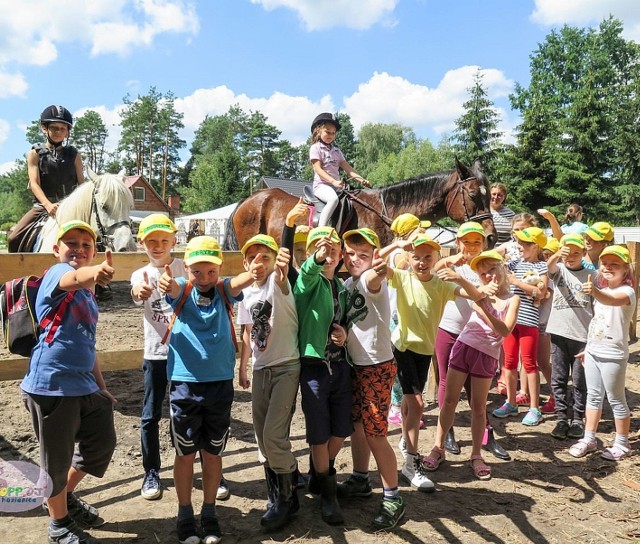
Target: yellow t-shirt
(420,308)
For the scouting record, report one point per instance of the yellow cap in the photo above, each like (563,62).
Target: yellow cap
(424,239)
(572,240)
(370,236)
(600,231)
(619,251)
(406,223)
(154,222)
(202,249)
(489,254)
(468,228)
(301,234)
(552,245)
(70,225)
(260,239)
(532,235)
(322,232)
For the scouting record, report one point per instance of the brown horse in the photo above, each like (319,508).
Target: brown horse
(461,194)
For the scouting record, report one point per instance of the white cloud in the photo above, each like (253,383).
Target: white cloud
(6,167)
(392,99)
(585,12)
(12,84)
(324,14)
(5,132)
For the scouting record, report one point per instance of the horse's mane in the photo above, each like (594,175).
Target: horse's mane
(405,194)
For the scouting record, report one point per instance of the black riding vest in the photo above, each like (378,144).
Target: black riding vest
(57,171)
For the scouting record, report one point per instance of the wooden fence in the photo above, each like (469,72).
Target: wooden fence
(20,264)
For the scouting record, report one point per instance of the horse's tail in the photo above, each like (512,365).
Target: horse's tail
(230,237)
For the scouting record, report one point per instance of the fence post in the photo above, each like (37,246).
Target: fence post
(634,251)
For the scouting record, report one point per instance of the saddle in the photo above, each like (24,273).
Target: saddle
(31,234)
(343,216)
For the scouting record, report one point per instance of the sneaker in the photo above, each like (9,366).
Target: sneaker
(83,513)
(151,488)
(576,430)
(402,446)
(223,492)
(210,530)
(549,407)
(523,399)
(390,513)
(395,416)
(354,487)
(71,534)
(506,410)
(560,430)
(187,532)
(416,475)
(533,417)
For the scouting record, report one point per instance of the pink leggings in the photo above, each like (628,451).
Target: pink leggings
(522,343)
(443,347)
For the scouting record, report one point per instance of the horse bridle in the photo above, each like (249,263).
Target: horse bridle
(460,190)
(105,235)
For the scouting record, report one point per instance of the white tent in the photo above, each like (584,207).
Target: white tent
(215,222)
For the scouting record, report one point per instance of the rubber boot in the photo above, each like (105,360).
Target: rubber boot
(314,485)
(331,512)
(450,443)
(272,485)
(491,445)
(283,508)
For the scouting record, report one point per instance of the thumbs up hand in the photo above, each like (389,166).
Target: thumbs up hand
(282,264)
(104,272)
(167,284)
(378,264)
(448,273)
(143,290)
(257,268)
(588,287)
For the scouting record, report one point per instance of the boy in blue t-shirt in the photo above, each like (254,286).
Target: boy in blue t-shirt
(200,368)
(64,389)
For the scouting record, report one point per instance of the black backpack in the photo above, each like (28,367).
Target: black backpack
(20,327)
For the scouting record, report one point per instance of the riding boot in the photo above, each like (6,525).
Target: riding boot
(314,485)
(450,443)
(331,512)
(272,484)
(283,508)
(493,447)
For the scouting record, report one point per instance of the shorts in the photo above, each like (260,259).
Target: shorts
(372,396)
(412,371)
(473,362)
(200,415)
(326,400)
(60,422)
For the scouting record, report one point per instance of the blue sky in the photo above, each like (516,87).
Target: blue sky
(390,61)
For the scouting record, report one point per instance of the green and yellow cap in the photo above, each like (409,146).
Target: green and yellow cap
(202,249)
(322,232)
(532,235)
(553,245)
(75,224)
(572,240)
(600,231)
(406,223)
(619,251)
(155,222)
(260,239)
(489,254)
(370,236)
(468,228)
(301,234)
(424,239)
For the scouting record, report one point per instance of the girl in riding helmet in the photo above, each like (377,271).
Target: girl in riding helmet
(327,159)
(54,169)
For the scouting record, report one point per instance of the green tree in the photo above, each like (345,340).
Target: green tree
(476,135)
(378,140)
(15,197)
(89,135)
(259,143)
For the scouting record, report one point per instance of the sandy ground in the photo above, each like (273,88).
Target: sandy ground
(543,495)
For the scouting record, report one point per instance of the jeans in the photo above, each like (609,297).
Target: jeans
(155,390)
(565,364)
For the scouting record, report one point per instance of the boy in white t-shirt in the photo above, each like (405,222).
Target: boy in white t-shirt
(374,369)
(271,335)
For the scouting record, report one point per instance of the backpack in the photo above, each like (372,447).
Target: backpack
(20,328)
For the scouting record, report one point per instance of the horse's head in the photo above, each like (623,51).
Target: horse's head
(112,202)
(470,201)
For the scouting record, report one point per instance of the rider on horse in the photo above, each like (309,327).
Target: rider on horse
(54,171)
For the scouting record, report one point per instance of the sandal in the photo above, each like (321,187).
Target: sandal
(523,399)
(582,447)
(616,453)
(432,461)
(481,470)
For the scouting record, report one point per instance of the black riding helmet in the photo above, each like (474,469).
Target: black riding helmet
(56,114)
(325,118)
